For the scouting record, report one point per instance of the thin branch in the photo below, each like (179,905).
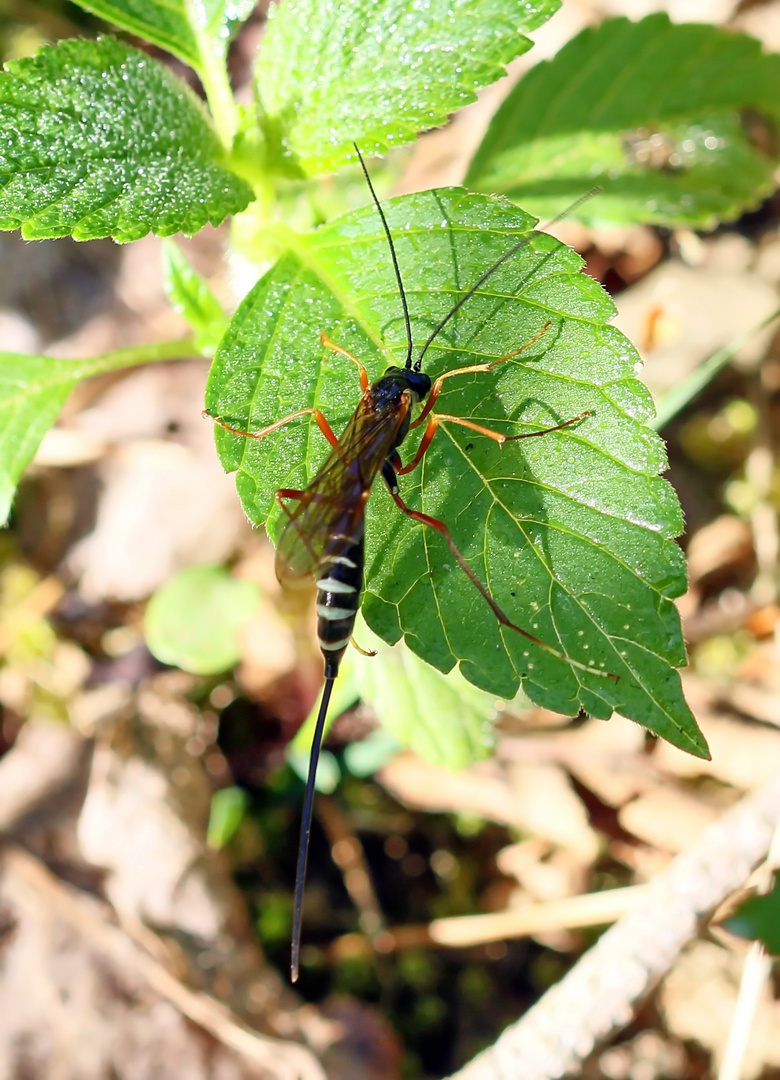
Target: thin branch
(599,994)
(753,984)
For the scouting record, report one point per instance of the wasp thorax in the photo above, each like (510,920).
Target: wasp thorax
(401,379)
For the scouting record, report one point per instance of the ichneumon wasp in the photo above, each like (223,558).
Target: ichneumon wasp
(324,535)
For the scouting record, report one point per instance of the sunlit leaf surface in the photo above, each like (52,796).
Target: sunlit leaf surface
(193,30)
(677,123)
(572,532)
(379,71)
(98,139)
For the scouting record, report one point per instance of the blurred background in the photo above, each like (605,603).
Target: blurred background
(150,811)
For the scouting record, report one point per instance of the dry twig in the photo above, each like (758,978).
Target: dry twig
(599,994)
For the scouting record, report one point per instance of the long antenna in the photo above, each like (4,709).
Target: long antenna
(303,843)
(504,258)
(407,320)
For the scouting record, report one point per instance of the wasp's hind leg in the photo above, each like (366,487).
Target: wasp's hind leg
(496,436)
(439,527)
(361,650)
(442,530)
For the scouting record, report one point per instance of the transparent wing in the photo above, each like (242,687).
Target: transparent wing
(334,502)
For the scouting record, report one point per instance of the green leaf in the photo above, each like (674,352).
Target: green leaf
(99,139)
(678,123)
(378,72)
(369,755)
(226,814)
(572,533)
(442,718)
(194,31)
(194,621)
(191,296)
(328,771)
(758,919)
(33,389)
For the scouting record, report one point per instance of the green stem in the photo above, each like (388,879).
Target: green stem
(181,349)
(676,400)
(213,74)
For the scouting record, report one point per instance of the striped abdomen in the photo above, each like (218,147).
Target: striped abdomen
(338,597)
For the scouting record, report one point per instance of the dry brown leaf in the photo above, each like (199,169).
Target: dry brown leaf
(81,1000)
(144,821)
(725,543)
(481,790)
(649,1056)
(761,667)
(646,862)
(166,502)
(744,755)
(42,776)
(515,859)
(267,650)
(164,507)
(536,798)
(442,156)
(667,819)
(698,998)
(550,807)
(608,759)
(556,877)
(697,311)
(368,1048)
(17,334)
(755,701)
(762,21)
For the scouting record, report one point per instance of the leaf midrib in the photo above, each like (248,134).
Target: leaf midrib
(601,632)
(552,526)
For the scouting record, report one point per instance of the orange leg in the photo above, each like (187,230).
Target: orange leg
(365,382)
(497,436)
(503,618)
(321,422)
(436,388)
(319,417)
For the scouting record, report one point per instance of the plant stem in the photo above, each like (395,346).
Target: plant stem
(213,72)
(215,81)
(180,349)
(676,400)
